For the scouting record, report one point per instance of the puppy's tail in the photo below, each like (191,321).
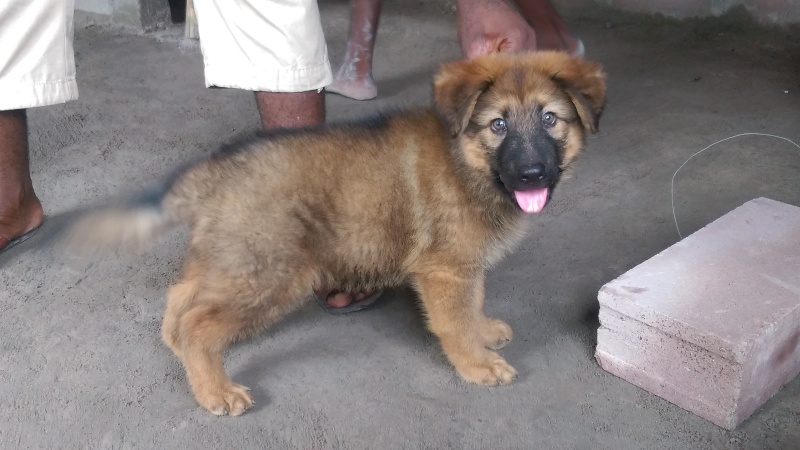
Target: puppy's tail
(133,225)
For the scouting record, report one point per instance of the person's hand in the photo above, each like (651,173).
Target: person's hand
(490,26)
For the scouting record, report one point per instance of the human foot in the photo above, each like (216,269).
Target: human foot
(552,32)
(357,88)
(354,77)
(560,41)
(20,209)
(18,218)
(336,302)
(487,27)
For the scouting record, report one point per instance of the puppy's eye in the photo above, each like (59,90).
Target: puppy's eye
(499,126)
(548,119)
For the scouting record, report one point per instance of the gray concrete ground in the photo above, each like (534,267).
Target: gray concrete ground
(81,364)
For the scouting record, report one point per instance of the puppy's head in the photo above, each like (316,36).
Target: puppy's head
(521,119)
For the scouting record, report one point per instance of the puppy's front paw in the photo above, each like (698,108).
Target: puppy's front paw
(232,399)
(495,333)
(489,370)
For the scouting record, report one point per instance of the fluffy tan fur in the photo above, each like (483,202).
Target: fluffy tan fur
(408,199)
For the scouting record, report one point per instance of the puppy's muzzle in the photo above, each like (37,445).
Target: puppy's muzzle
(530,185)
(532,174)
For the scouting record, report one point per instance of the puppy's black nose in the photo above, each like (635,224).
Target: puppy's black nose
(532,173)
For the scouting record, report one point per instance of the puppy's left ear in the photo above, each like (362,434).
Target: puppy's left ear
(456,89)
(585,83)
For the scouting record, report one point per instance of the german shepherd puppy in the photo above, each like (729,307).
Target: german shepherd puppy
(430,198)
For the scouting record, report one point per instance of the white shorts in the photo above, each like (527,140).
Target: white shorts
(263,45)
(37,63)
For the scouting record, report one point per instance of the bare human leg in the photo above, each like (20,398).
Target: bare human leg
(20,209)
(286,110)
(354,79)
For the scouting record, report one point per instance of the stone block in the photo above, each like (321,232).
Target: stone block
(711,324)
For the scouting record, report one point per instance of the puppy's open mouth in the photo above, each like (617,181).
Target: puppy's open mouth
(532,200)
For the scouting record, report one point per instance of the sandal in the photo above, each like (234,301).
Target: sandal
(7,243)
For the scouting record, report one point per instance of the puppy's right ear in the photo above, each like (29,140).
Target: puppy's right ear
(456,89)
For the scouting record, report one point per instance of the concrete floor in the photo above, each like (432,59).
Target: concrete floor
(81,363)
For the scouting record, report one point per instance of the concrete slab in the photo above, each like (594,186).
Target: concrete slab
(712,323)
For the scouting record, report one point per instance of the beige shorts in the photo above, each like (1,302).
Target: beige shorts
(37,63)
(263,45)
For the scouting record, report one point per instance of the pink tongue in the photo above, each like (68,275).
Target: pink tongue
(532,201)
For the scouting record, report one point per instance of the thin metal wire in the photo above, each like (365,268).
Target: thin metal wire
(672,183)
